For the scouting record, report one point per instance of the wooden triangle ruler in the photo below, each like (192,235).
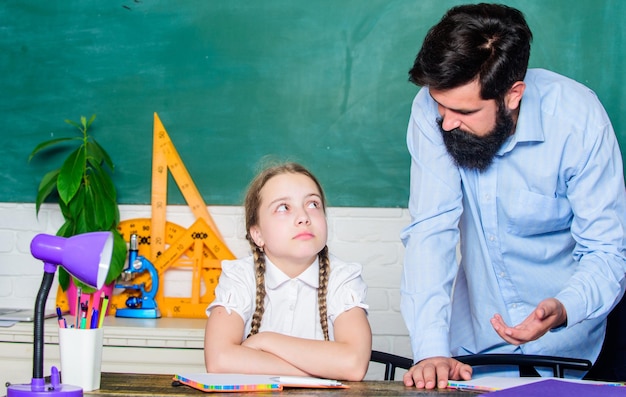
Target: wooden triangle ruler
(164,157)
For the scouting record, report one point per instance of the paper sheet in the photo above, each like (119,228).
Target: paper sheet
(494,383)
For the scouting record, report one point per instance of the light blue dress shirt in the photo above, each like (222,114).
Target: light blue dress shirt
(546,219)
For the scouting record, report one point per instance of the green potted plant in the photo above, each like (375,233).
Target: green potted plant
(85,192)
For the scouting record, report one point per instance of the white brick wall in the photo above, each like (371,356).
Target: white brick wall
(369,236)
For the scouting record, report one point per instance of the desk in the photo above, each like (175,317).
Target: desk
(117,384)
(131,345)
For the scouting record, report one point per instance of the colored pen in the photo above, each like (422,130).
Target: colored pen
(77,313)
(102,295)
(61,320)
(305,380)
(91,302)
(94,319)
(83,316)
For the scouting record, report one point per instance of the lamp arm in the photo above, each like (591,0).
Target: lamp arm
(40,308)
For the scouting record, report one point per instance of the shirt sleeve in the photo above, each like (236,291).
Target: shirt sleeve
(598,200)
(233,290)
(346,288)
(430,240)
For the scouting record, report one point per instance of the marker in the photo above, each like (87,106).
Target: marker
(103,310)
(94,319)
(60,319)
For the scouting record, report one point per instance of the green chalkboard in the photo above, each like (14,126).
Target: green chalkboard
(320,82)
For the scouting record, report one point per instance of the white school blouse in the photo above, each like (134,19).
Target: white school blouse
(290,303)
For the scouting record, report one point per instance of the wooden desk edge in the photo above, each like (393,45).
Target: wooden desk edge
(122,384)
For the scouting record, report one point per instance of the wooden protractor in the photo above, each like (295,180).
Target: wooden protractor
(142,228)
(197,249)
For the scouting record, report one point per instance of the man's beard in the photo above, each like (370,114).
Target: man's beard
(474,152)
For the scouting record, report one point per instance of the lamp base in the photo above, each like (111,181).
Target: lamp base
(47,390)
(39,388)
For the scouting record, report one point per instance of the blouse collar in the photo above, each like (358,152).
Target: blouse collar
(274,277)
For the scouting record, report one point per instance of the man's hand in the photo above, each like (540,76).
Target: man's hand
(435,372)
(550,313)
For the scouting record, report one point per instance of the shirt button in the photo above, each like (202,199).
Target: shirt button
(501,274)
(491,238)
(291,307)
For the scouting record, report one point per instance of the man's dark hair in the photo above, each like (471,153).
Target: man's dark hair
(488,42)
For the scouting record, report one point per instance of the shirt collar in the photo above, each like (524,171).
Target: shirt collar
(274,277)
(528,126)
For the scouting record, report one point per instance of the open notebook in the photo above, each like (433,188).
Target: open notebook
(13,314)
(241,382)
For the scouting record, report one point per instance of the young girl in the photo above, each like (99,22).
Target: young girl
(290,308)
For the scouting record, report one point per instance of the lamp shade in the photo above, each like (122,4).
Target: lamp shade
(85,256)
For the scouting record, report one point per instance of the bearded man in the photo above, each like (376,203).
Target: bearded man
(523,168)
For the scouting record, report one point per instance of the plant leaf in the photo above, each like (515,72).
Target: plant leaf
(118,259)
(83,225)
(71,175)
(75,213)
(66,230)
(94,154)
(64,278)
(86,289)
(65,210)
(89,209)
(75,124)
(91,119)
(95,210)
(47,144)
(102,199)
(104,182)
(99,153)
(47,185)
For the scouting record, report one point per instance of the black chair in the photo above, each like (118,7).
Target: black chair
(391,361)
(526,363)
(611,364)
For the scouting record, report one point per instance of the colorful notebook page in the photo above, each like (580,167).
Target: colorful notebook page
(228,382)
(208,382)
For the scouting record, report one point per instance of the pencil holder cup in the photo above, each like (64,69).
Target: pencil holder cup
(81,357)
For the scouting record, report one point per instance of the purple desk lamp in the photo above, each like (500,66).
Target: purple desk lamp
(85,256)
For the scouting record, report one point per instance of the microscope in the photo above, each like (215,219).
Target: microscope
(144,305)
